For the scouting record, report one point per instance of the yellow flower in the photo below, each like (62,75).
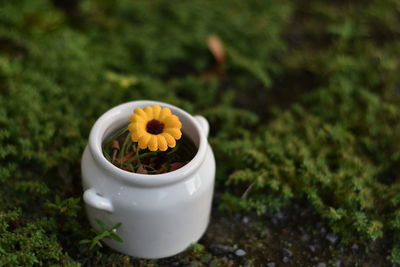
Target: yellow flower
(155,128)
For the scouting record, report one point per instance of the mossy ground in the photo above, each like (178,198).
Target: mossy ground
(304,109)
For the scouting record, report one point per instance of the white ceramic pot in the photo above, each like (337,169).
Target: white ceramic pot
(162,214)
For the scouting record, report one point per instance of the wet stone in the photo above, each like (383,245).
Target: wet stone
(240,252)
(305,238)
(271,264)
(206,258)
(265,233)
(287,253)
(287,244)
(321,264)
(312,248)
(373,246)
(221,249)
(280,216)
(355,247)
(285,259)
(245,220)
(301,230)
(304,213)
(332,238)
(338,263)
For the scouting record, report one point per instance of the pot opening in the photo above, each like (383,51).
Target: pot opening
(131,159)
(118,117)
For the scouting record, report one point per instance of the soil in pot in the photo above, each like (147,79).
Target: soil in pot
(119,149)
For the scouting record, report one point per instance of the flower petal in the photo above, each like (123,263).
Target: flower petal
(138,118)
(169,139)
(132,127)
(140,112)
(144,140)
(153,143)
(172,122)
(137,129)
(137,135)
(176,133)
(135,126)
(165,112)
(149,112)
(162,143)
(156,111)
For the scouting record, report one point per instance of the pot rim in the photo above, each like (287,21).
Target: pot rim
(110,117)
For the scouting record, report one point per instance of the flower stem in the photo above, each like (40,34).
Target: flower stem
(147,154)
(127,141)
(115,136)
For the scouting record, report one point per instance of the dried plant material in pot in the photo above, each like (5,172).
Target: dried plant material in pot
(151,144)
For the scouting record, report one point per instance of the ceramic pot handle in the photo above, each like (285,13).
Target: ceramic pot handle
(203,123)
(96,201)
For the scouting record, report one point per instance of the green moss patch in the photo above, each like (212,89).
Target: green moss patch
(305,107)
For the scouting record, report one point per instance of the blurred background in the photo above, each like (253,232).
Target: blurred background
(302,98)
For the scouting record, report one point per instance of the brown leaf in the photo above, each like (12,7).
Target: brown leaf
(176,165)
(216,48)
(141,170)
(163,169)
(125,168)
(152,159)
(128,156)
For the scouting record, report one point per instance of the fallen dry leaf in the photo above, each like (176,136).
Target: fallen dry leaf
(141,170)
(127,157)
(163,169)
(216,48)
(176,165)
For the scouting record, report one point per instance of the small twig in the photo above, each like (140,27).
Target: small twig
(114,136)
(115,147)
(137,154)
(173,150)
(248,190)
(131,166)
(124,145)
(115,152)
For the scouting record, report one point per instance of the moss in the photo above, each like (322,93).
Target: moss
(306,107)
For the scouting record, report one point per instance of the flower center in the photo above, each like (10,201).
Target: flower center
(155,127)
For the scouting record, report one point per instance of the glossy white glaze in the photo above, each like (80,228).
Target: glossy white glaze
(162,214)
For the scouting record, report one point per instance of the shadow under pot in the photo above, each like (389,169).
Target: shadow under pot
(159,215)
